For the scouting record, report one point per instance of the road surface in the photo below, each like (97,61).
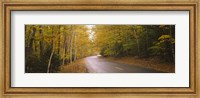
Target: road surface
(97,64)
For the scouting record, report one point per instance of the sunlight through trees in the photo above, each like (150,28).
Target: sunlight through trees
(49,46)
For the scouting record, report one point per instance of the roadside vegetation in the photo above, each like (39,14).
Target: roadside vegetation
(50,46)
(143,41)
(60,48)
(76,67)
(150,46)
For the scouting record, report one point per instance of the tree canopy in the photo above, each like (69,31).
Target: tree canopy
(136,40)
(49,46)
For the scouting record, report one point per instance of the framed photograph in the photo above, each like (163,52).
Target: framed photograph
(99,48)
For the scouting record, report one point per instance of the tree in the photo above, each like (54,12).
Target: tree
(132,40)
(50,46)
(41,40)
(32,37)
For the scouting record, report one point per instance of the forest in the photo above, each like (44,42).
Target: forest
(48,47)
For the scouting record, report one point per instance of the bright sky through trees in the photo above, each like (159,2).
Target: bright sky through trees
(91,32)
(47,47)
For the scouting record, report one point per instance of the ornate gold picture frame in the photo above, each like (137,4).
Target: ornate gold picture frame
(192,7)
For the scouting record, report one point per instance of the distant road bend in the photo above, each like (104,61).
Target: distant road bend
(97,64)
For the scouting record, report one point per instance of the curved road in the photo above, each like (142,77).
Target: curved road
(96,64)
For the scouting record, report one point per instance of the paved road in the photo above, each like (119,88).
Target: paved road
(96,64)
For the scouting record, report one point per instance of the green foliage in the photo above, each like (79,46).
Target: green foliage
(135,40)
(35,64)
(32,63)
(156,50)
(66,43)
(163,47)
(164,37)
(55,62)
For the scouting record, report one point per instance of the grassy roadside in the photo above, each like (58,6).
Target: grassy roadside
(75,67)
(151,63)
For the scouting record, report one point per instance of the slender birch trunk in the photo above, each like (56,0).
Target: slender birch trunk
(75,46)
(59,45)
(64,49)
(49,64)
(52,52)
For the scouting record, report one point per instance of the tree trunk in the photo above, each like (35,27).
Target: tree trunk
(64,49)
(173,54)
(75,48)
(41,41)
(138,47)
(26,35)
(82,51)
(32,37)
(59,39)
(71,44)
(146,44)
(52,35)
(52,52)
(68,47)
(64,52)
(49,64)
(35,46)
(137,41)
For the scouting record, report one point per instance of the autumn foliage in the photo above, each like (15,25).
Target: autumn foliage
(47,47)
